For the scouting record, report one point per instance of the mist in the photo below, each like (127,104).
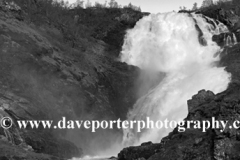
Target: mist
(179,46)
(174,64)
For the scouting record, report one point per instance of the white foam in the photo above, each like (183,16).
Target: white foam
(169,43)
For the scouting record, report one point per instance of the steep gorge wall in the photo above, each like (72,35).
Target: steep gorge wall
(44,76)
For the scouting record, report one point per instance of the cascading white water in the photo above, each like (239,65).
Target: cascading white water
(169,43)
(234,39)
(230,40)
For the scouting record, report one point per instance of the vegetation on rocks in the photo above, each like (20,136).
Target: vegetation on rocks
(56,62)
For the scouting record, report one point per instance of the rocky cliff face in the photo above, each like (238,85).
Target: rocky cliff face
(47,72)
(193,144)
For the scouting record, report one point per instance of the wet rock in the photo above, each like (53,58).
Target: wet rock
(201,39)
(229,17)
(141,152)
(113,158)
(202,97)
(193,144)
(146,144)
(221,39)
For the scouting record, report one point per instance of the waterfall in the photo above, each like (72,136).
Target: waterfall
(234,39)
(170,43)
(230,40)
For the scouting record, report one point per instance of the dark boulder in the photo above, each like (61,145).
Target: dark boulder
(141,152)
